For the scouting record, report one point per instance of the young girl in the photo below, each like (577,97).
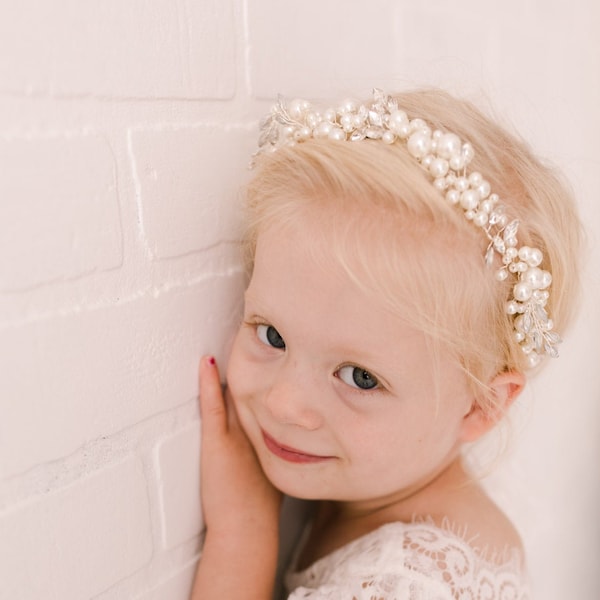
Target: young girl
(410,262)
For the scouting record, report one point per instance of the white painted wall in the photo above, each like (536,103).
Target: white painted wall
(125,129)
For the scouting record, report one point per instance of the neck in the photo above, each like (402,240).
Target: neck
(428,498)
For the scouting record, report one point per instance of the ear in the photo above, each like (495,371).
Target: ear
(504,389)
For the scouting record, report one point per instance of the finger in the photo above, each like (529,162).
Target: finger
(213,411)
(233,420)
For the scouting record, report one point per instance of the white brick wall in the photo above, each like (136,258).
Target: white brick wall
(125,130)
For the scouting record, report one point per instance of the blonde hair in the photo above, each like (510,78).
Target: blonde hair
(375,199)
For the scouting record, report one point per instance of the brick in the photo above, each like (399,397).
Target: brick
(60,211)
(349,46)
(178,461)
(177,587)
(187,180)
(74,543)
(128,48)
(69,380)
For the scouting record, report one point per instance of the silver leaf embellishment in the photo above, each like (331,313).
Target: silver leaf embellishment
(510,231)
(375,118)
(499,244)
(553,337)
(357,136)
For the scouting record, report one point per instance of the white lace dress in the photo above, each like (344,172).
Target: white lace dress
(414,561)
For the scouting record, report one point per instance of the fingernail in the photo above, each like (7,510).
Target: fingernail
(212,360)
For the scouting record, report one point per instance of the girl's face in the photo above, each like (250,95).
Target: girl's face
(335,393)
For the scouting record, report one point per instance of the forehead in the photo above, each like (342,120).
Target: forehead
(398,260)
(331,267)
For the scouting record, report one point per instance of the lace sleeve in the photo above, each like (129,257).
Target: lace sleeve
(416,561)
(381,587)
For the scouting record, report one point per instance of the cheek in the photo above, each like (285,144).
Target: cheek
(236,375)
(245,378)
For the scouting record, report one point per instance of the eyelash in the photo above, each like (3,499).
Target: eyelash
(377,384)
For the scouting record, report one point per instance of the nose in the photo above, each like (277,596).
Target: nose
(291,398)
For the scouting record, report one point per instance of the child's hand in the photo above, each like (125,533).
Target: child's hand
(241,507)
(237,499)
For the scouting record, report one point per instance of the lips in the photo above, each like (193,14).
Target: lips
(291,454)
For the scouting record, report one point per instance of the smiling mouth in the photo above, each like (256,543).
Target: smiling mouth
(291,454)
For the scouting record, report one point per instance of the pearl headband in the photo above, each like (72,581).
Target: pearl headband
(445,157)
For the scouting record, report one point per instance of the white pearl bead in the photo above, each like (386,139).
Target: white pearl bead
(511,253)
(521,267)
(298,107)
(469,199)
(330,115)
(475,179)
(448,145)
(469,214)
(484,189)
(480,219)
(453,196)
(397,120)
(388,137)
(525,254)
(512,308)
(419,125)
(522,291)
(337,134)
(311,119)
(462,184)
(486,206)
(302,134)
(467,152)
(501,274)
(535,257)
(439,167)
(427,160)
(439,183)
(534,277)
(323,129)
(546,280)
(348,105)
(519,336)
(419,144)
(533,360)
(346,123)
(403,131)
(519,320)
(456,163)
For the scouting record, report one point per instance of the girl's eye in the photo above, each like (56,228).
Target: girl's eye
(358,378)
(268,335)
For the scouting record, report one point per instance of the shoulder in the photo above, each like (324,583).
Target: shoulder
(482,524)
(419,556)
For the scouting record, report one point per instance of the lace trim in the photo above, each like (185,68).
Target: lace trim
(412,561)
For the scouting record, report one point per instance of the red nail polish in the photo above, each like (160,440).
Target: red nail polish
(212,360)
